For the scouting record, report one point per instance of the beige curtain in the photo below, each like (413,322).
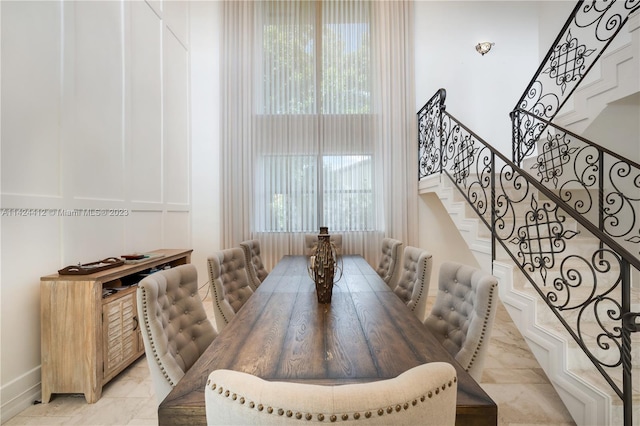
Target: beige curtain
(318,124)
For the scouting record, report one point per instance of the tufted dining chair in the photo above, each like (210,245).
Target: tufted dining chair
(257,271)
(311,241)
(174,325)
(463,313)
(413,282)
(390,261)
(425,395)
(229,282)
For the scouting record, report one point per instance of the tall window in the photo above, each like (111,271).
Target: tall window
(294,201)
(314,73)
(317,114)
(316,58)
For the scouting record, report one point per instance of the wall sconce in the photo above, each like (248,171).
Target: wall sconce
(484,47)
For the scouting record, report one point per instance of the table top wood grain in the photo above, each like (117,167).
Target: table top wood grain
(283,334)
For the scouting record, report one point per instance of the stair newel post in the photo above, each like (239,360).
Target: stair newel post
(515,137)
(443,95)
(601,196)
(493,208)
(628,326)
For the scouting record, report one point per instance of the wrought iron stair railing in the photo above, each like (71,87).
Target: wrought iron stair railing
(599,184)
(588,31)
(589,292)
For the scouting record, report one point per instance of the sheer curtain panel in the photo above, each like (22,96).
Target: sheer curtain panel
(318,126)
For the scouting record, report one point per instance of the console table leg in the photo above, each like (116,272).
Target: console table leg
(46,394)
(93,395)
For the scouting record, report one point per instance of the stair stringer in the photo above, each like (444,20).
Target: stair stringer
(587,405)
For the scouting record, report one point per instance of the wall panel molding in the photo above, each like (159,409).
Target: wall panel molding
(176,146)
(31,99)
(96,118)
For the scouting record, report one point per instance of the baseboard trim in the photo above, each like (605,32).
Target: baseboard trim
(20,394)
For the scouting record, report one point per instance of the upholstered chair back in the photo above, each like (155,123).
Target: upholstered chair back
(413,282)
(463,313)
(311,242)
(424,395)
(230,284)
(256,268)
(390,261)
(174,325)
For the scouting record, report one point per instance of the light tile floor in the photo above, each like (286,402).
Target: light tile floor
(512,377)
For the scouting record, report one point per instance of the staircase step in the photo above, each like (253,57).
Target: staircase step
(573,374)
(589,329)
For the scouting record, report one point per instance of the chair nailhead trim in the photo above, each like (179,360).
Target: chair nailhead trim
(216,297)
(424,270)
(484,328)
(332,417)
(152,342)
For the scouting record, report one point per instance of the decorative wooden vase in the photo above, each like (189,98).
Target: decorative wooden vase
(323,265)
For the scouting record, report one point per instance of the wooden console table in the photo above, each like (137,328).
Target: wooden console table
(87,339)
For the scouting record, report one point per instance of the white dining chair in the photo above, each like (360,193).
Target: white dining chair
(424,395)
(229,283)
(256,268)
(174,325)
(463,314)
(390,261)
(413,282)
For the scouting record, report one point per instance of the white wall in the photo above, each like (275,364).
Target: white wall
(95,115)
(481,90)
(622,115)
(206,30)
(440,237)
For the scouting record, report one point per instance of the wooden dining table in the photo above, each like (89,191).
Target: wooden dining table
(282,333)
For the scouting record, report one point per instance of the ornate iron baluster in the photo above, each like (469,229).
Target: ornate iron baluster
(429,134)
(574,168)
